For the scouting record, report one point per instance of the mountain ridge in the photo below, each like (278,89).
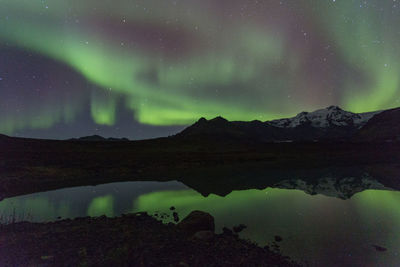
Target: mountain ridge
(98,138)
(326,117)
(386,127)
(3,136)
(329,124)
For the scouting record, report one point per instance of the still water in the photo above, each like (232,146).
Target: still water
(316,230)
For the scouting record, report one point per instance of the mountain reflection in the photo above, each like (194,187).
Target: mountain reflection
(312,226)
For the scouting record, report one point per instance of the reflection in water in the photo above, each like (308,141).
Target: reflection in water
(380,212)
(109,199)
(101,206)
(33,208)
(318,229)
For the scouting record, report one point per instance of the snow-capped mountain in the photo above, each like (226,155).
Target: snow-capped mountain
(323,118)
(343,188)
(329,124)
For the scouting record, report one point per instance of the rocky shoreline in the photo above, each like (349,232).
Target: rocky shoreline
(130,240)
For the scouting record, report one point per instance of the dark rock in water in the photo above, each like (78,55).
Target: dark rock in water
(275,246)
(278,238)
(197,221)
(227,231)
(239,228)
(379,248)
(172,208)
(46,258)
(163,215)
(176,217)
(204,235)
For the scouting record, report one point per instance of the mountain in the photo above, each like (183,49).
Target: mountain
(333,179)
(325,118)
(331,123)
(222,129)
(382,127)
(333,187)
(97,138)
(92,138)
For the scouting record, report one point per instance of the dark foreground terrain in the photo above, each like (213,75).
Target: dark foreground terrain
(130,240)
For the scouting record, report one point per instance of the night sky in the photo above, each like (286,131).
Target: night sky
(147,68)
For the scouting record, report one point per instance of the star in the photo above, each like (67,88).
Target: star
(241,61)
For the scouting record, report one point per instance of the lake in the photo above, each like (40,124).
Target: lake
(317,230)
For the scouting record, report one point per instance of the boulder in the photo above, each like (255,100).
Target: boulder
(379,248)
(176,216)
(239,228)
(204,235)
(197,221)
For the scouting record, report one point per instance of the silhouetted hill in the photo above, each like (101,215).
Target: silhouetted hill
(382,127)
(221,129)
(329,124)
(97,138)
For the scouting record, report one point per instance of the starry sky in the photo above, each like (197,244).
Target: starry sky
(148,68)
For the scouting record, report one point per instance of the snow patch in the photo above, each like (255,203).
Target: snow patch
(324,118)
(343,188)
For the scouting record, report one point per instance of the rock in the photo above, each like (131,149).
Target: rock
(227,231)
(176,217)
(379,248)
(275,247)
(50,257)
(278,238)
(197,221)
(239,228)
(204,235)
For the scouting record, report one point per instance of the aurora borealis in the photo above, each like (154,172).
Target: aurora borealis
(145,68)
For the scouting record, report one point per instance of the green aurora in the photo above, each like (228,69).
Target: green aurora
(172,62)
